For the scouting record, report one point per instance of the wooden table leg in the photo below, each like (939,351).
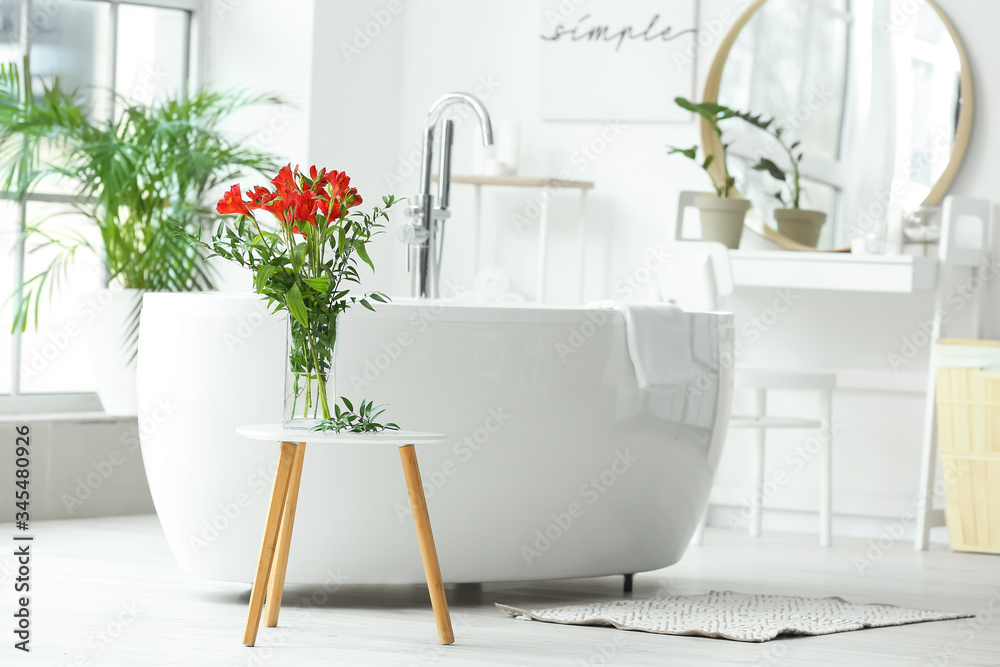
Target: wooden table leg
(277,582)
(428,552)
(281,478)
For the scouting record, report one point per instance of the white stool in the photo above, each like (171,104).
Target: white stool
(762,380)
(699,276)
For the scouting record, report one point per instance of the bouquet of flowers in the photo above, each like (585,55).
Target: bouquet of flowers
(306,265)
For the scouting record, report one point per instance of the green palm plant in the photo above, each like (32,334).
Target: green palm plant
(29,126)
(137,178)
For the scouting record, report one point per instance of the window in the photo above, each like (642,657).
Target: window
(140,50)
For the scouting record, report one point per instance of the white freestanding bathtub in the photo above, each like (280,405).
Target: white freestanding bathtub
(556,464)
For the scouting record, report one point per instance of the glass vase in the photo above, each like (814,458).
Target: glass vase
(310,372)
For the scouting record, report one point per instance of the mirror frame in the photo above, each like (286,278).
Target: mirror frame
(712,144)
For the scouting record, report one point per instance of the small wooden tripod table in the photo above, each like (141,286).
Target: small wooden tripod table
(281,516)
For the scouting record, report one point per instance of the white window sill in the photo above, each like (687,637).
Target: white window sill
(89,417)
(39,407)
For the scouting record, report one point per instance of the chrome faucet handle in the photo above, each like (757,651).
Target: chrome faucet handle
(412,234)
(414,211)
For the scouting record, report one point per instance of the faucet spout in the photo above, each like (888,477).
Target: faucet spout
(438,108)
(424,236)
(431,122)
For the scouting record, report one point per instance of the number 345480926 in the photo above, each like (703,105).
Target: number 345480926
(22,453)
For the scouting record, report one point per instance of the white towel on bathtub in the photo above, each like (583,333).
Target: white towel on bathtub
(659,342)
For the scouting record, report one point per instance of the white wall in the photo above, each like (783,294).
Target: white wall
(247,49)
(377,65)
(358,59)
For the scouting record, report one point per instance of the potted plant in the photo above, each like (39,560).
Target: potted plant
(135,178)
(723,213)
(305,264)
(800,225)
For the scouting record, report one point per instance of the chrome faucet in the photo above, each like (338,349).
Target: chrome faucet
(424,234)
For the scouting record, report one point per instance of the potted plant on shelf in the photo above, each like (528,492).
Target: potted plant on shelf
(305,264)
(723,213)
(801,225)
(134,178)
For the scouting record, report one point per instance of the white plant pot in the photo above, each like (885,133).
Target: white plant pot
(111,354)
(722,218)
(799,225)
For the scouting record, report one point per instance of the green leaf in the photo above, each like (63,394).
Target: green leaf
(708,161)
(264,274)
(690,153)
(298,256)
(776,172)
(349,405)
(359,247)
(708,110)
(296,306)
(320,284)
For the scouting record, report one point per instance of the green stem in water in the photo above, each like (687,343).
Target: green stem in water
(320,380)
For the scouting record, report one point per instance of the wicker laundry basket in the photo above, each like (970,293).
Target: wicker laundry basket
(968,405)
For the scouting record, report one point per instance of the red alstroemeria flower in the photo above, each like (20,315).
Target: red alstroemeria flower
(303,209)
(353,198)
(232,202)
(319,178)
(339,183)
(285,180)
(323,207)
(259,197)
(275,205)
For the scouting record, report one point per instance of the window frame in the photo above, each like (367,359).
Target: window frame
(28,403)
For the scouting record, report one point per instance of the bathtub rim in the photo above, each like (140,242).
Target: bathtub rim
(407,309)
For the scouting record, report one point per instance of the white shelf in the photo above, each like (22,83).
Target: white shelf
(899,274)
(520,181)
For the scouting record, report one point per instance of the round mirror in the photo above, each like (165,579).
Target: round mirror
(858,110)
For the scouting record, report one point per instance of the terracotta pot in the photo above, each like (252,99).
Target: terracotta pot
(722,218)
(800,225)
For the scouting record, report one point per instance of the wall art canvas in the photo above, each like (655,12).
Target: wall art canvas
(616,59)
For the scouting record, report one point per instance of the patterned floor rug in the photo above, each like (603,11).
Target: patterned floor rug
(737,616)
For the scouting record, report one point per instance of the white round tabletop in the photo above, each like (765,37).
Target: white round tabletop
(279,433)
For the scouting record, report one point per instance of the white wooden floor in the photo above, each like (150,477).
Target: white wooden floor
(107,593)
